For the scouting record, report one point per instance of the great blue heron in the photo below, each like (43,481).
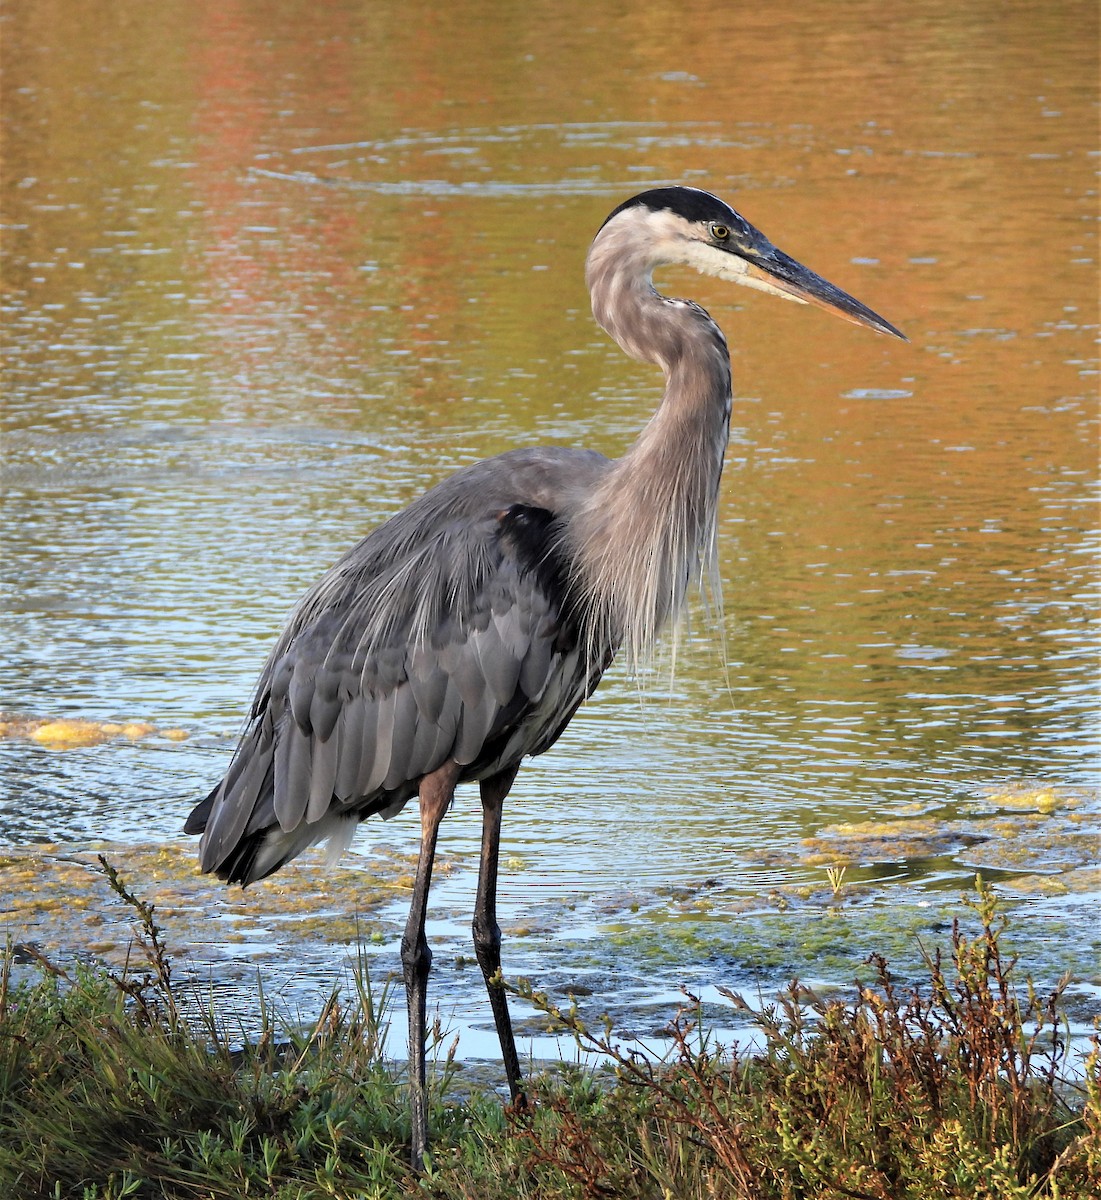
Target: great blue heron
(461,635)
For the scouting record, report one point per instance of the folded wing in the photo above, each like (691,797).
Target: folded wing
(462,646)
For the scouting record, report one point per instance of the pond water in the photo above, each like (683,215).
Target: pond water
(271,270)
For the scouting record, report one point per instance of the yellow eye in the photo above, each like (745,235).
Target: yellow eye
(720,233)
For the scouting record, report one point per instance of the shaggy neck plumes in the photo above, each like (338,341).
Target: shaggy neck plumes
(649,527)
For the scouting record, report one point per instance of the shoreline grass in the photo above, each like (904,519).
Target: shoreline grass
(112,1087)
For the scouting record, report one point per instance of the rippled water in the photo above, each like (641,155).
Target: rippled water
(268,275)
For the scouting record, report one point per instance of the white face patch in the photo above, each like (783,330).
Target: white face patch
(709,260)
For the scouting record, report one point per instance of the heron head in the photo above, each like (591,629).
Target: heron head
(687,225)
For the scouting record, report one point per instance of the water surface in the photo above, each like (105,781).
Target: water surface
(270,271)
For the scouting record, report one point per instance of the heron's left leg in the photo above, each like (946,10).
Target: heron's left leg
(487,933)
(436,792)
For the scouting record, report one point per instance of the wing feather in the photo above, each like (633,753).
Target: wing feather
(474,727)
(292,773)
(428,682)
(460,661)
(326,760)
(353,720)
(426,752)
(326,703)
(370,781)
(535,670)
(499,663)
(402,737)
(300,694)
(513,639)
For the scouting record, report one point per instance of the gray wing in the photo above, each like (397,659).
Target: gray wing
(456,642)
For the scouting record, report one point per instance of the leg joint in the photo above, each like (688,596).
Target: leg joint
(487,934)
(416,957)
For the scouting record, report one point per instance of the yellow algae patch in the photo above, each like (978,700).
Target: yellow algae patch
(835,858)
(1037,844)
(850,843)
(59,901)
(70,733)
(62,735)
(1026,830)
(138,729)
(1081,879)
(1042,798)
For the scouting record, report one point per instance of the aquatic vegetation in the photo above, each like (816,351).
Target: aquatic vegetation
(71,733)
(1080,880)
(634,944)
(956,1088)
(950,1088)
(1042,798)
(1019,828)
(804,940)
(58,900)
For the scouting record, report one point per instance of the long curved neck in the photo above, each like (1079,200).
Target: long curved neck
(644,532)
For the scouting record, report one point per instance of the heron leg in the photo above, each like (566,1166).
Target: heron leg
(487,933)
(436,792)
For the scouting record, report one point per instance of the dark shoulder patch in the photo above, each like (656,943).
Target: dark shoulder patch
(533,534)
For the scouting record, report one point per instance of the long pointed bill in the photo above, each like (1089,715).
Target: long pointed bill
(771,270)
